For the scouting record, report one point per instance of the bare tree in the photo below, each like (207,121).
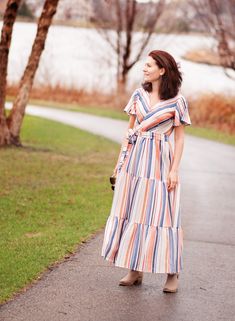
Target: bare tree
(218,17)
(7,28)
(15,119)
(117,20)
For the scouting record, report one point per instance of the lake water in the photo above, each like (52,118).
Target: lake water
(80,58)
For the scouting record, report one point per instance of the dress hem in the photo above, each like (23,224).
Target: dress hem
(114,263)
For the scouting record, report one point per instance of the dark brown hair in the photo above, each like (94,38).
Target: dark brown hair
(172,78)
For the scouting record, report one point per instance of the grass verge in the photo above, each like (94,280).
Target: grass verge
(211,134)
(54,193)
(105,111)
(197,116)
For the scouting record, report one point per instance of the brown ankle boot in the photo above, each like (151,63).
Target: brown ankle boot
(171,284)
(133,277)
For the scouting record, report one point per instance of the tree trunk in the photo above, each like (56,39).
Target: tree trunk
(121,15)
(227,57)
(15,119)
(8,22)
(122,81)
(121,88)
(218,18)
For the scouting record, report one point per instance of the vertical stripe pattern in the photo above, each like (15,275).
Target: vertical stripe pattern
(143,231)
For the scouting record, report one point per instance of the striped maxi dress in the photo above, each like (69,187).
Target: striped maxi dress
(143,231)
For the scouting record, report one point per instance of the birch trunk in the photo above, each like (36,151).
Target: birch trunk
(15,119)
(7,28)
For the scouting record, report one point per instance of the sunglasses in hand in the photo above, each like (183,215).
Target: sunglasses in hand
(112,180)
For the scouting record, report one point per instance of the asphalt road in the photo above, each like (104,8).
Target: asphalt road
(85,287)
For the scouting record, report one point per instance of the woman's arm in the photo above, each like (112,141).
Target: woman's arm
(124,143)
(172,179)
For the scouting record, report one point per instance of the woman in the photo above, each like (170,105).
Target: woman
(143,232)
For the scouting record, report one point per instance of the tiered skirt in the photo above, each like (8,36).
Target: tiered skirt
(143,231)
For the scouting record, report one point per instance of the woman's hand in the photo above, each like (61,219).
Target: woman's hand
(131,136)
(172,179)
(124,146)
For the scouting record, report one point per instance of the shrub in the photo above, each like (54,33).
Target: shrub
(215,111)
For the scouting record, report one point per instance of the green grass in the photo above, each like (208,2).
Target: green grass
(55,193)
(211,134)
(93,110)
(208,133)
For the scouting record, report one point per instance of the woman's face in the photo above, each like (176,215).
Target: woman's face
(151,70)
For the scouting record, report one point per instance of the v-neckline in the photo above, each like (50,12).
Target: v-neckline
(152,108)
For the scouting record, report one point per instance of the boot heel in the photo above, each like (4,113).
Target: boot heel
(171,290)
(138,281)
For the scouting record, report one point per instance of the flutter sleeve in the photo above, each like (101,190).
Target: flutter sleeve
(181,116)
(130,108)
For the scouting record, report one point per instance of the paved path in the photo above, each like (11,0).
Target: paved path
(85,287)
(113,129)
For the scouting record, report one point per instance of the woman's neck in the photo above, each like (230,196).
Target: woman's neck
(155,88)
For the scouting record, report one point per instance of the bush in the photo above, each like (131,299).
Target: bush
(214,111)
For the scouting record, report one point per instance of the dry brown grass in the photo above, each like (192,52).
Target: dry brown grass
(74,96)
(211,111)
(204,56)
(214,111)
